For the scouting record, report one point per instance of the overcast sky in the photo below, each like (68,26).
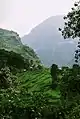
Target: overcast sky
(23,15)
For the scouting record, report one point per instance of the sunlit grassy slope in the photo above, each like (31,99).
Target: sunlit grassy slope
(38,81)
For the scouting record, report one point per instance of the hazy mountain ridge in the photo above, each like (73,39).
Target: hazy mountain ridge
(45,39)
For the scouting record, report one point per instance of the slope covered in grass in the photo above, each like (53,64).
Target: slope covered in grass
(38,81)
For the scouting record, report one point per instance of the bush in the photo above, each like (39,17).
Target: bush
(70,92)
(54,73)
(5,78)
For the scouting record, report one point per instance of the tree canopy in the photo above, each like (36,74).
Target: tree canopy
(72,23)
(72,26)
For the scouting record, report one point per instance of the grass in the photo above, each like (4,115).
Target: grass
(38,81)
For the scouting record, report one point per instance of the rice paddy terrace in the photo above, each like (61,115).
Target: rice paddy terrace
(38,81)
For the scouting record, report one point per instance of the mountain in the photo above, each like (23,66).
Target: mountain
(48,43)
(64,53)
(13,52)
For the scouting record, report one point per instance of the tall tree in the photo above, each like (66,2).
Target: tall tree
(72,23)
(54,71)
(72,26)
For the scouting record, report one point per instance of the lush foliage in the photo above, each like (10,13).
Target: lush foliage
(69,87)
(31,96)
(18,101)
(54,74)
(72,27)
(72,22)
(14,54)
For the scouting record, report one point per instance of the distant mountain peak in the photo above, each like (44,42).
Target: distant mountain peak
(46,39)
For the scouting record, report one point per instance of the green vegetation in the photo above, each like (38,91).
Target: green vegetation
(29,94)
(72,27)
(54,74)
(38,81)
(13,53)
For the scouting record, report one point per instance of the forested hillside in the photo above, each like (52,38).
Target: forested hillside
(34,91)
(14,53)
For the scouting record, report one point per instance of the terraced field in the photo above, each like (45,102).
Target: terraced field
(38,81)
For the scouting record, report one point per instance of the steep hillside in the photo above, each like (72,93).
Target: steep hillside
(13,52)
(45,39)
